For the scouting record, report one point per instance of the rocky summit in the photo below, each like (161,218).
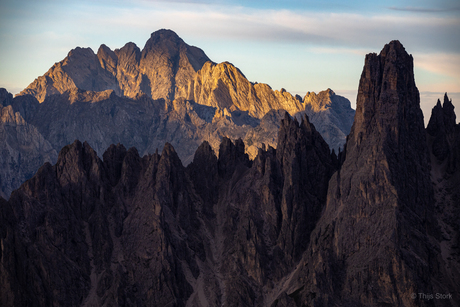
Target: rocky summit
(167,92)
(161,70)
(375,225)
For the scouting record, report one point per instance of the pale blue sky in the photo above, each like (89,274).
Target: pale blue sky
(298,45)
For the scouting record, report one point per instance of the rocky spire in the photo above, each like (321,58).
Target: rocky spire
(443,138)
(374,229)
(449,113)
(230,156)
(203,172)
(443,118)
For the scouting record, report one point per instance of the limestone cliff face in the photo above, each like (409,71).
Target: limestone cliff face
(80,69)
(224,86)
(170,64)
(332,116)
(182,75)
(163,69)
(127,72)
(23,148)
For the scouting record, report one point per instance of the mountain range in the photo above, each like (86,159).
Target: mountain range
(166,92)
(294,224)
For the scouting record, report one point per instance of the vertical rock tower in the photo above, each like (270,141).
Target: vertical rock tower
(371,246)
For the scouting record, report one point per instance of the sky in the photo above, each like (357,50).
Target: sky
(302,46)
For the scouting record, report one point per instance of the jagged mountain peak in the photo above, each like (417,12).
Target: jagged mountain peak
(326,108)
(441,128)
(395,46)
(165,32)
(127,46)
(387,87)
(321,101)
(165,42)
(170,154)
(443,117)
(163,69)
(449,112)
(163,37)
(79,52)
(107,59)
(168,69)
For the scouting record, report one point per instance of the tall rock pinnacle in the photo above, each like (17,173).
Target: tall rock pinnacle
(374,230)
(388,126)
(443,138)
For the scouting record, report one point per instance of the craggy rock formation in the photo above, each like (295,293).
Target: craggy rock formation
(92,232)
(260,224)
(167,68)
(161,70)
(127,230)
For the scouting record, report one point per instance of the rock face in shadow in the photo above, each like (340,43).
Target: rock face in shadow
(127,230)
(91,232)
(443,135)
(23,147)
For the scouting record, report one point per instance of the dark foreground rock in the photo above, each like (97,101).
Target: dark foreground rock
(128,230)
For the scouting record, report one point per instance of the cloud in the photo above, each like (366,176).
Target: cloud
(340,50)
(424,10)
(440,63)
(327,29)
